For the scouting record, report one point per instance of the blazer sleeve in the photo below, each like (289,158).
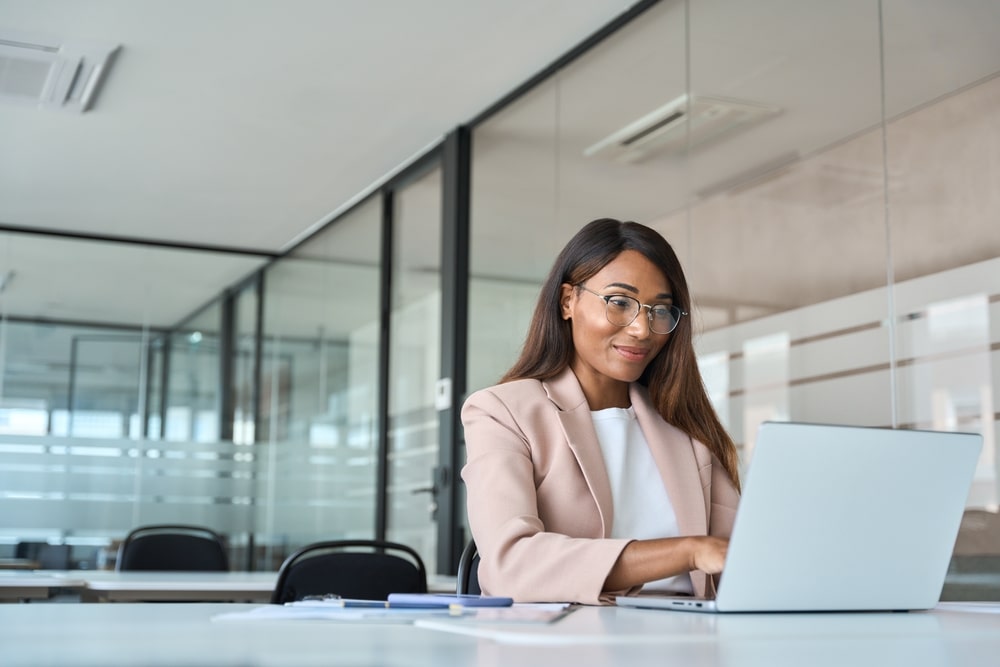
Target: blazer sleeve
(518,556)
(723,502)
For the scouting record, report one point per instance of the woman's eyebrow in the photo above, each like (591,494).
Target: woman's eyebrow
(634,290)
(624,286)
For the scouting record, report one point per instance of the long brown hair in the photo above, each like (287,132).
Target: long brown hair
(672,377)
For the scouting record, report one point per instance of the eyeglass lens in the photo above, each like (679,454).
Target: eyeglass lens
(622,310)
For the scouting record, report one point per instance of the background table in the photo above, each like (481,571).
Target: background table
(185,634)
(19,564)
(109,586)
(102,586)
(18,585)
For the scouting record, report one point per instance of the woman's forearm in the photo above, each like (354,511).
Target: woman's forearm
(643,561)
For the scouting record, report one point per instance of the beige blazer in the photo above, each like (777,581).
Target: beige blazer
(539,499)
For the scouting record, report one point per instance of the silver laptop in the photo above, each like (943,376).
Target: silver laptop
(842,518)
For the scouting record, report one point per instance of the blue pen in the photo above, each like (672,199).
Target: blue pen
(445,600)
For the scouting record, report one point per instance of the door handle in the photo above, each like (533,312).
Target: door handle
(433,506)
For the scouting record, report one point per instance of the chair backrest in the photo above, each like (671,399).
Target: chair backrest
(359,569)
(468,571)
(173,548)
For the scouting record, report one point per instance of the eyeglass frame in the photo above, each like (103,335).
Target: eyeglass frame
(649,310)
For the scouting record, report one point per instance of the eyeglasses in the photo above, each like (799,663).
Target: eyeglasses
(622,310)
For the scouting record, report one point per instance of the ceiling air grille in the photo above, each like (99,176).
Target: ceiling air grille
(667,129)
(52,73)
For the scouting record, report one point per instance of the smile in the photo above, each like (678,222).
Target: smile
(632,353)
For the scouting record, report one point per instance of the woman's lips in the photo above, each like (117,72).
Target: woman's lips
(632,353)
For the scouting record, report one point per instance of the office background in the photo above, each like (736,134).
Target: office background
(826,172)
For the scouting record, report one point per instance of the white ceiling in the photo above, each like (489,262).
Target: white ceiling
(243,123)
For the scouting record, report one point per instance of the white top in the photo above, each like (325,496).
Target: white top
(642,508)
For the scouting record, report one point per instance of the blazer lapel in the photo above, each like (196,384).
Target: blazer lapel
(577,423)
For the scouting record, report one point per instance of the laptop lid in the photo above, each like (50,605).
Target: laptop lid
(842,518)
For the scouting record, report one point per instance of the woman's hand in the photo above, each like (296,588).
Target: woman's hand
(709,554)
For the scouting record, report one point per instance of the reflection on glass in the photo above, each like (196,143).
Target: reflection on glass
(715,374)
(785,216)
(414,364)
(765,381)
(193,384)
(536,177)
(946,368)
(941,148)
(244,365)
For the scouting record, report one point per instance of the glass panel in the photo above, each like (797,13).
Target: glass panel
(63,380)
(513,200)
(82,357)
(193,385)
(542,169)
(244,359)
(619,153)
(545,166)
(785,218)
(318,444)
(103,404)
(943,138)
(414,364)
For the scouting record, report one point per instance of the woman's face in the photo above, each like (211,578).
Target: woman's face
(607,357)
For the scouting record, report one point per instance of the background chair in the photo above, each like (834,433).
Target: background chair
(172,548)
(360,569)
(468,571)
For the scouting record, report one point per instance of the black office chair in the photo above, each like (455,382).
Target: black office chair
(173,548)
(359,569)
(468,571)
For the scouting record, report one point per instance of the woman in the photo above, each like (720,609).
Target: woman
(598,467)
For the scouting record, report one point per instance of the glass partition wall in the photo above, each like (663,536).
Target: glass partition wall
(145,385)
(108,405)
(414,366)
(317,448)
(942,139)
(786,219)
(828,182)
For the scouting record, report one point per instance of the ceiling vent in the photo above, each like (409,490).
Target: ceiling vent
(52,73)
(666,129)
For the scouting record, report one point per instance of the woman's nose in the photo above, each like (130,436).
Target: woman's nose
(640,325)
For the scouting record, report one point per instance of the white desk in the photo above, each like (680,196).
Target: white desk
(185,634)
